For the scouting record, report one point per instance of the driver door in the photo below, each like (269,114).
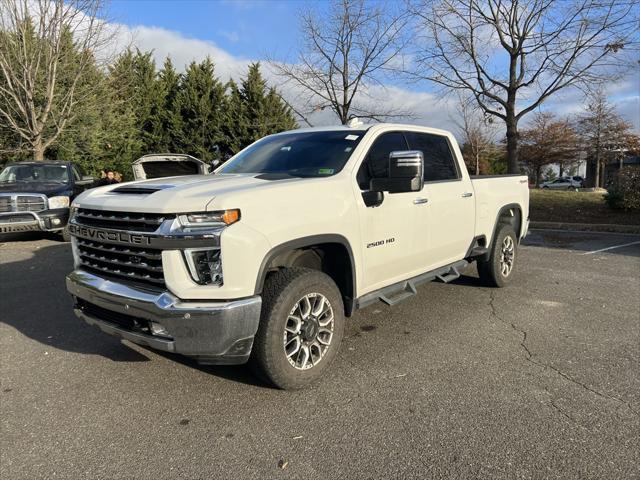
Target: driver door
(388,229)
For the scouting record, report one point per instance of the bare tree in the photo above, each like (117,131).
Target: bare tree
(605,135)
(47,47)
(513,55)
(476,132)
(346,50)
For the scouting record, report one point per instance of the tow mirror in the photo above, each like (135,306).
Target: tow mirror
(406,173)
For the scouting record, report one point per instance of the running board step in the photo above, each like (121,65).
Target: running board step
(400,291)
(409,290)
(449,276)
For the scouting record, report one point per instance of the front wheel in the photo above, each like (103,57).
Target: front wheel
(65,236)
(301,327)
(497,269)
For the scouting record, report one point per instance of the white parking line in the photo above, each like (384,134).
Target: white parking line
(611,248)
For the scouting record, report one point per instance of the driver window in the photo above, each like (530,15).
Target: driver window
(376,163)
(76,175)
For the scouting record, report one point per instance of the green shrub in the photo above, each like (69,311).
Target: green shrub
(624,193)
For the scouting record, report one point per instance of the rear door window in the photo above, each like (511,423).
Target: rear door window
(439,164)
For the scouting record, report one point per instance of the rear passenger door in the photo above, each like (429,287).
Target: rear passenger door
(446,222)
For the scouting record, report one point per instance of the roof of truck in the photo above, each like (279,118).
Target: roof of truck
(363,127)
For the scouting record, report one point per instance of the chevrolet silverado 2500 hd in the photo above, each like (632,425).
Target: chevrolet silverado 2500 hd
(263,260)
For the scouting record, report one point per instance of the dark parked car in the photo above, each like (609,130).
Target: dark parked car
(35,196)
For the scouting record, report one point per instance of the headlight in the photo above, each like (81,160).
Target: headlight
(222,218)
(58,202)
(204,265)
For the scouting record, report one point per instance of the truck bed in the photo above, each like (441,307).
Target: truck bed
(493,194)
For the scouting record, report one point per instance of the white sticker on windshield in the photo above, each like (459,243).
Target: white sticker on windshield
(285,149)
(351,137)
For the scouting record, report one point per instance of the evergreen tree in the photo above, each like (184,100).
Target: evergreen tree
(171,122)
(254,111)
(235,128)
(129,126)
(80,140)
(200,103)
(265,112)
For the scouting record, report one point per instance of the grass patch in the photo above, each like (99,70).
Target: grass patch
(576,207)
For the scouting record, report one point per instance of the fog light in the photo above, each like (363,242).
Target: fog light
(56,221)
(205,265)
(158,329)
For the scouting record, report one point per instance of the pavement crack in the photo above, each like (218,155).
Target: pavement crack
(530,358)
(563,413)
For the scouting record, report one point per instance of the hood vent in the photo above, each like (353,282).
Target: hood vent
(140,189)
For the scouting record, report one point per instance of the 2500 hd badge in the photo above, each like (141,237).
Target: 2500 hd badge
(380,242)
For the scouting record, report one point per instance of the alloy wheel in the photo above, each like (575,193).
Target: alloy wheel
(308,331)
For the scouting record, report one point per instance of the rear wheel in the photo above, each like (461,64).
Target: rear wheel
(301,327)
(497,269)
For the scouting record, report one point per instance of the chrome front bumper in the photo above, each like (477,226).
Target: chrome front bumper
(217,332)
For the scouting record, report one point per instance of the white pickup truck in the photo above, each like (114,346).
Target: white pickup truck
(263,260)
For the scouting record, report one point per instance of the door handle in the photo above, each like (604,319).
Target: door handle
(420,200)
(467,195)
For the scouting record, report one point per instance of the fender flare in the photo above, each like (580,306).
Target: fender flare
(303,242)
(502,210)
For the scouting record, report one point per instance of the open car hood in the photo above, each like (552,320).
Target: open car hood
(167,165)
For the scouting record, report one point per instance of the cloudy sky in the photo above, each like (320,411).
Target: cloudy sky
(236,32)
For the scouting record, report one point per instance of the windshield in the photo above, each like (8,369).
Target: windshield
(35,173)
(303,154)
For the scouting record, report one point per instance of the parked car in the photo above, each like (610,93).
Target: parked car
(565,183)
(35,196)
(264,259)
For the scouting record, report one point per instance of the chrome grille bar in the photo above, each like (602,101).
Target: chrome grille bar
(24,202)
(139,222)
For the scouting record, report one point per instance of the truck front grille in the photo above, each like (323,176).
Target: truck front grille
(30,203)
(22,203)
(137,265)
(136,222)
(5,204)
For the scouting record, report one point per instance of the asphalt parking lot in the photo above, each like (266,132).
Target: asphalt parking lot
(537,380)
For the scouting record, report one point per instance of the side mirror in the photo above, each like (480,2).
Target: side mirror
(406,173)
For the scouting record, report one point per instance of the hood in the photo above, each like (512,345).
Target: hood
(167,165)
(49,189)
(177,194)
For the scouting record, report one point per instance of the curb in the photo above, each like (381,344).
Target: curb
(586,227)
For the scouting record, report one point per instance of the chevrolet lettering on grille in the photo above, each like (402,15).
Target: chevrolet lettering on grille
(109,236)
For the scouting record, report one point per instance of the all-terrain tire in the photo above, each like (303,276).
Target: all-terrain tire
(64,234)
(492,270)
(282,292)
